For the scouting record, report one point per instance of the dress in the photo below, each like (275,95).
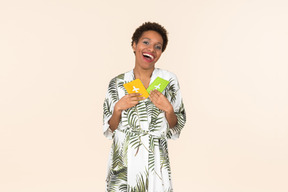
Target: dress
(138,160)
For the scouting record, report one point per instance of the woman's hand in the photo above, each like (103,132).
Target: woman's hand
(128,101)
(125,102)
(160,101)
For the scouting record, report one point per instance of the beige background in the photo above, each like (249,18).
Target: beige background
(57,57)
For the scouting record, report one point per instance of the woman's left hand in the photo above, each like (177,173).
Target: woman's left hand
(160,101)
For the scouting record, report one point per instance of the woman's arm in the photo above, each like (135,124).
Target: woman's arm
(124,103)
(115,119)
(161,102)
(171,117)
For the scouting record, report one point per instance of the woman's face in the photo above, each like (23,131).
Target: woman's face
(148,49)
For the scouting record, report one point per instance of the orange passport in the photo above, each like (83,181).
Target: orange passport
(136,86)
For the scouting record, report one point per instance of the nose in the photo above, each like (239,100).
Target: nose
(151,48)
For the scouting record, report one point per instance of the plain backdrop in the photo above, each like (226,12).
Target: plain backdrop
(58,56)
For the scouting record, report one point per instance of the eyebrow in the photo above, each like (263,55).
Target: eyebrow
(150,39)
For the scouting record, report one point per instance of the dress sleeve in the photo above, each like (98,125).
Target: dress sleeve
(175,97)
(108,107)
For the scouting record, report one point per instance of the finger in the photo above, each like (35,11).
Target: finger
(137,98)
(157,92)
(141,98)
(133,99)
(152,93)
(153,98)
(150,97)
(135,94)
(133,103)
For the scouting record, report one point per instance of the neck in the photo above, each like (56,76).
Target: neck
(140,73)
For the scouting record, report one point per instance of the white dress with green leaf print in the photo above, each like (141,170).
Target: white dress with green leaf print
(138,160)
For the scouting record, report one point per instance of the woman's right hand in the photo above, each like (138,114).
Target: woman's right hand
(128,101)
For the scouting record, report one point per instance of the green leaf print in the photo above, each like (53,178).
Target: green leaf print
(171,91)
(118,172)
(140,140)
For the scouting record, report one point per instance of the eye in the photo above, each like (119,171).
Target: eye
(146,42)
(159,47)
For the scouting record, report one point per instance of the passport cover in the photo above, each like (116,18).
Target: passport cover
(136,86)
(159,84)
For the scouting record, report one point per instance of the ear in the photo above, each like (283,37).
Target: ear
(134,46)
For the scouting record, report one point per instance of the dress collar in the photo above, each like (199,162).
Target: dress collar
(153,76)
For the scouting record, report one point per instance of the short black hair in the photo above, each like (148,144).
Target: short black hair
(150,26)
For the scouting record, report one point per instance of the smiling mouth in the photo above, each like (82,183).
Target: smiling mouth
(148,57)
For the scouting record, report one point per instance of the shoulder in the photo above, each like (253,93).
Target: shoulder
(118,81)
(118,77)
(122,76)
(167,75)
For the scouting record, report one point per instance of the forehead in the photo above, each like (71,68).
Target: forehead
(153,36)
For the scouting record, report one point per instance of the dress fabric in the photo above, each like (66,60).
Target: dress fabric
(138,160)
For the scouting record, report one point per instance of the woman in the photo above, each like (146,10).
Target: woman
(141,126)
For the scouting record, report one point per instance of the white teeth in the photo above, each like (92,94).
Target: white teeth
(151,56)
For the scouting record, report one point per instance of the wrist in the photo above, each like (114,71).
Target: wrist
(169,110)
(117,108)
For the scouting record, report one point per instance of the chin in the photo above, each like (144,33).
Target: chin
(148,66)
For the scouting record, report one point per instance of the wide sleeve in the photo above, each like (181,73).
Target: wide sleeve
(175,97)
(108,107)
